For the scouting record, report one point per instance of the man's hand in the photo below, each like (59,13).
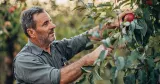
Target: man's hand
(95,54)
(119,18)
(113,25)
(73,71)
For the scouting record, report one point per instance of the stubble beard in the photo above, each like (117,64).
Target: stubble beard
(45,40)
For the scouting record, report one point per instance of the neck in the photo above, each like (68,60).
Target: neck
(42,45)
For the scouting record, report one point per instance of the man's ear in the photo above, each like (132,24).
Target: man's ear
(31,32)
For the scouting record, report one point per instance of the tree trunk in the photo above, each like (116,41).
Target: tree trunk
(9,60)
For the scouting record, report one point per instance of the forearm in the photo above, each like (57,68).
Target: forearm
(73,71)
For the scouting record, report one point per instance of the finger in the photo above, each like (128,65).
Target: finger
(108,47)
(109,50)
(126,9)
(101,47)
(111,47)
(124,13)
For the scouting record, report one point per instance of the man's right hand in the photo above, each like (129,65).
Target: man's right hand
(91,57)
(73,71)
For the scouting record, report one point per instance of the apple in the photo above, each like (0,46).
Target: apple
(11,9)
(149,2)
(129,17)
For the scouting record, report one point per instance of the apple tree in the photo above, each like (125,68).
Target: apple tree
(136,43)
(10,41)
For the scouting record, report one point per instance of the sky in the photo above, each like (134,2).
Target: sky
(61,1)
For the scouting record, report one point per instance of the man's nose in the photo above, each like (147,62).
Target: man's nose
(52,26)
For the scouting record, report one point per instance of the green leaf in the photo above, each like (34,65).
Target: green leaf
(124,30)
(106,32)
(153,78)
(139,12)
(142,77)
(86,26)
(130,79)
(107,42)
(96,75)
(126,38)
(103,15)
(90,5)
(103,82)
(143,24)
(150,63)
(113,40)
(91,79)
(130,59)
(123,2)
(94,9)
(87,69)
(116,7)
(116,74)
(146,13)
(126,23)
(102,66)
(104,4)
(82,80)
(116,35)
(126,4)
(111,62)
(120,62)
(135,25)
(102,56)
(80,8)
(120,76)
(96,34)
(132,3)
(111,14)
(156,8)
(97,16)
(100,26)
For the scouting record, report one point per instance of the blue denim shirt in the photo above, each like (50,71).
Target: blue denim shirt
(33,65)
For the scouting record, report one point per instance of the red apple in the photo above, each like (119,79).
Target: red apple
(129,17)
(149,2)
(11,9)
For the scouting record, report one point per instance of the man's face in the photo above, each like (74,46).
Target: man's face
(44,28)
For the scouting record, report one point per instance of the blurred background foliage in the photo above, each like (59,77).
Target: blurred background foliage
(12,39)
(68,23)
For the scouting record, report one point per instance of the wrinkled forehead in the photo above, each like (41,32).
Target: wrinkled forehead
(41,17)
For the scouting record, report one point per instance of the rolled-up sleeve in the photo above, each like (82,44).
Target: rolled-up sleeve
(72,46)
(31,70)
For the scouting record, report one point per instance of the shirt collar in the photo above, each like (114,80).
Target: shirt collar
(34,48)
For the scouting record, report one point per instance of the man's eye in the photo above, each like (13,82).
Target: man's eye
(46,23)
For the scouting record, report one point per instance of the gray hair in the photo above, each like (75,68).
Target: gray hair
(27,20)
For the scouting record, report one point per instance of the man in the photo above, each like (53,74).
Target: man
(43,59)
